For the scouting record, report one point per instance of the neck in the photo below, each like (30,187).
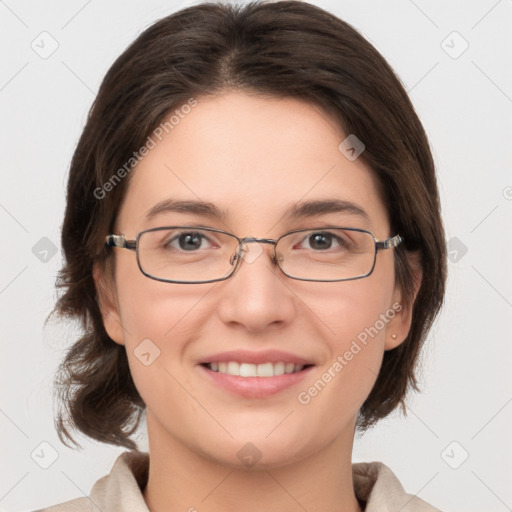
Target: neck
(183,479)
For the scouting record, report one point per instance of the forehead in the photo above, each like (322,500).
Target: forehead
(254,159)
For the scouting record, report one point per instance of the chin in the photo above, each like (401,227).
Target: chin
(259,452)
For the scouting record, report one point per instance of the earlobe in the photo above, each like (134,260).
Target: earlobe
(105,291)
(399,327)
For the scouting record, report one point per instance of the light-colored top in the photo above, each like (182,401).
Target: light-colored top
(375,486)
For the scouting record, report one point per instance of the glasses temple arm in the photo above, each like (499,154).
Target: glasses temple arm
(120,241)
(390,242)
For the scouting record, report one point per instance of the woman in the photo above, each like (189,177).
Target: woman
(253,242)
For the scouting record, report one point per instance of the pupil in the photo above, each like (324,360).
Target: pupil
(187,241)
(319,241)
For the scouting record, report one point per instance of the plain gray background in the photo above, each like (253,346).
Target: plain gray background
(454,447)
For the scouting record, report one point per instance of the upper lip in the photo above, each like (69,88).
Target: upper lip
(264,356)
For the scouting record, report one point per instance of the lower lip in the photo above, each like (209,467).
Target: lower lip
(255,387)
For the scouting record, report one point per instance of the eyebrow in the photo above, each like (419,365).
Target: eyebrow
(201,208)
(295,211)
(306,209)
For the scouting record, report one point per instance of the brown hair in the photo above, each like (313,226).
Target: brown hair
(283,49)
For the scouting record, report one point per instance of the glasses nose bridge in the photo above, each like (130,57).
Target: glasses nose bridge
(251,239)
(248,240)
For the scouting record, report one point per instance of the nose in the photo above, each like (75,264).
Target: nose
(257,296)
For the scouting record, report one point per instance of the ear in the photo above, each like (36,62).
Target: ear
(399,326)
(107,302)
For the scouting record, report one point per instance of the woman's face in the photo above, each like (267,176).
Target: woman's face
(253,158)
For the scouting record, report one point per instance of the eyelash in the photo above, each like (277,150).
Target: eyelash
(177,236)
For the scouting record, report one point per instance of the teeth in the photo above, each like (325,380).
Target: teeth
(248,370)
(255,370)
(264,370)
(233,368)
(278,369)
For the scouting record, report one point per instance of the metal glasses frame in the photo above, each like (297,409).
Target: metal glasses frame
(120,242)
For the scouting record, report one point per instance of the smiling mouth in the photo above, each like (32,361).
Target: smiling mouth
(255,370)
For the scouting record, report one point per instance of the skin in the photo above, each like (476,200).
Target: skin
(253,156)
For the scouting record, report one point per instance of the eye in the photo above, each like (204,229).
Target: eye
(321,241)
(188,241)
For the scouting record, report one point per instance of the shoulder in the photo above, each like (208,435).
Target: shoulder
(119,491)
(379,487)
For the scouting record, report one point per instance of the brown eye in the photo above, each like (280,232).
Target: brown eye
(322,241)
(184,241)
(189,241)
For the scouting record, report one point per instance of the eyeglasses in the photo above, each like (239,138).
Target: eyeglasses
(189,254)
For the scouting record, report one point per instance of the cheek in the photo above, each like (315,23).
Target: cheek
(356,310)
(150,308)
(158,320)
(355,315)
(352,361)
(156,336)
